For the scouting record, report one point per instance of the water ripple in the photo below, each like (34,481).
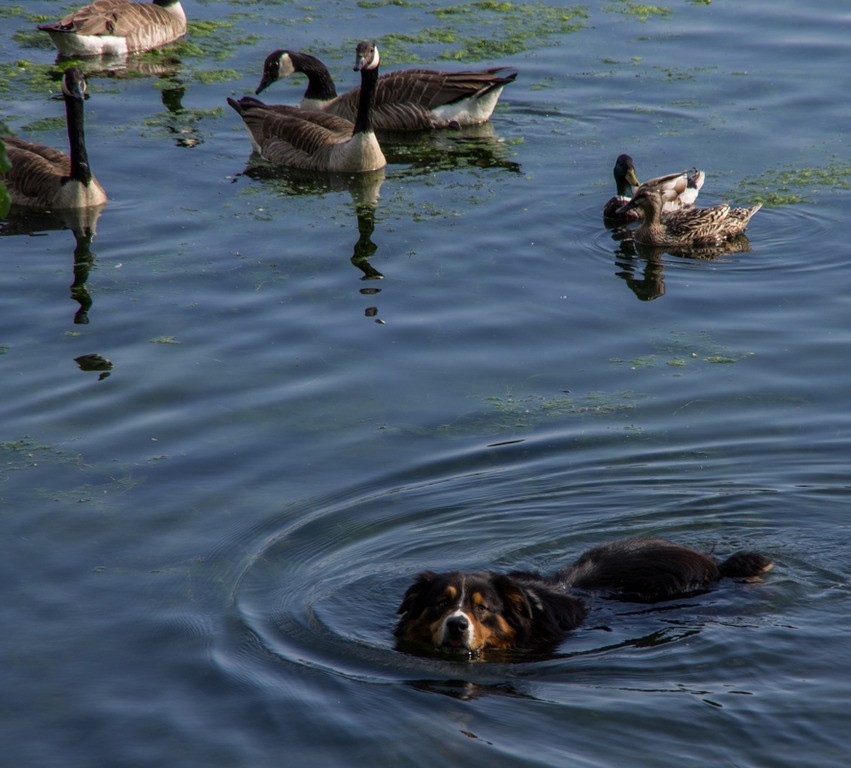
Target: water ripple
(320,589)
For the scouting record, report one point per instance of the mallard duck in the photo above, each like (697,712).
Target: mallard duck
(687,227)
(407,100)
(43,177)
(681,191)
(117,27)
(318,141)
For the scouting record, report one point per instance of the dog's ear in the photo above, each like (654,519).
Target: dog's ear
(519,599)
(420,585)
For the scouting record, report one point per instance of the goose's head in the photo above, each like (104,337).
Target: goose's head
(366,56)
(74,84)
(277,66)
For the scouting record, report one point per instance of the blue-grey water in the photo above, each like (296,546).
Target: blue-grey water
(299,399)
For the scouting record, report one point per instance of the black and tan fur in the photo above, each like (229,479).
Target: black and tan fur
(469,613)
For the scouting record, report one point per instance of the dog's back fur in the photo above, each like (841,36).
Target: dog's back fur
(650,569)
(472,612)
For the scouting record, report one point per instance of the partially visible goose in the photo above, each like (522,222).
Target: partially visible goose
(681,191)
(317,141)
(408,100)
(117,27)
(47,178)
(689,227)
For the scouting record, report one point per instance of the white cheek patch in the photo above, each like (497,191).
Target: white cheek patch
(285,67)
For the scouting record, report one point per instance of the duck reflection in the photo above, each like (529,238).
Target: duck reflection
(96,363)
(648,282)
(82,223)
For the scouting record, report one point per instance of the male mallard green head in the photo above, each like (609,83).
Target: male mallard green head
(625,176)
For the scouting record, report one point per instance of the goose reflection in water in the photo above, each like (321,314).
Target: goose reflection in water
(175,120)
(82,222)
(473,146)
(364,189)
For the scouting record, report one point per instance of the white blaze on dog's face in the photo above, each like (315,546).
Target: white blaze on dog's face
(455,612)
(455,630)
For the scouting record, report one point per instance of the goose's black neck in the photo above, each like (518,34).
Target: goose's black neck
(368,83)
(80,170)
(320,84)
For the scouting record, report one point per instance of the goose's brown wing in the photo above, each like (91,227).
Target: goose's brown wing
(36,170)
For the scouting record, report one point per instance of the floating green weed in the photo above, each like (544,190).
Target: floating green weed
(182,125)
(208,76)
(13,10)
(25,453)
(56,123)
(536,408)
(23,75)
(639,11)
(489,29)
(509,412)
(212,40)
(476,31)
(382,3)
(27,38)
(680,350)
(789,186)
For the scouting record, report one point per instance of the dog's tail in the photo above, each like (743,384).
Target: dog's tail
(745,565)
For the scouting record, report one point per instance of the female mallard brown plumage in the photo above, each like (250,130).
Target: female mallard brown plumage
(43,177)
(407,100)
(117,27)
(681,191)
(690,227)
(317,141)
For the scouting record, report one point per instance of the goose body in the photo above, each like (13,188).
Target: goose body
(689,227)
(43,177)
(408,100)
(315,140)
(681,190)
(117,27)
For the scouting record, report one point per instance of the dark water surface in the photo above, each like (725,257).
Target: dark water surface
(204,543)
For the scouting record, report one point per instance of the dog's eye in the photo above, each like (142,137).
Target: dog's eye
(482,609)
(441,604)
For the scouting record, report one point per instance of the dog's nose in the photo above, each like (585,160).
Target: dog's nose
(457,625)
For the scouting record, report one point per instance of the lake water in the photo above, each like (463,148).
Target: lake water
(309,399)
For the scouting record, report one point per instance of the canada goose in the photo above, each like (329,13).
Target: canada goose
(117,27)
(43,177)
(682,191)
(408,100)
(318,141)
(688,227)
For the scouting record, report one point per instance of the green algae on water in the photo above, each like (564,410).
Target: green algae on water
(478,31)
(639,11)
(779,187)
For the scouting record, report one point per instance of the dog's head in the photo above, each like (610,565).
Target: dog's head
(473,612)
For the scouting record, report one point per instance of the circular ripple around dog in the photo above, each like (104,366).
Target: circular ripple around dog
(323,591)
